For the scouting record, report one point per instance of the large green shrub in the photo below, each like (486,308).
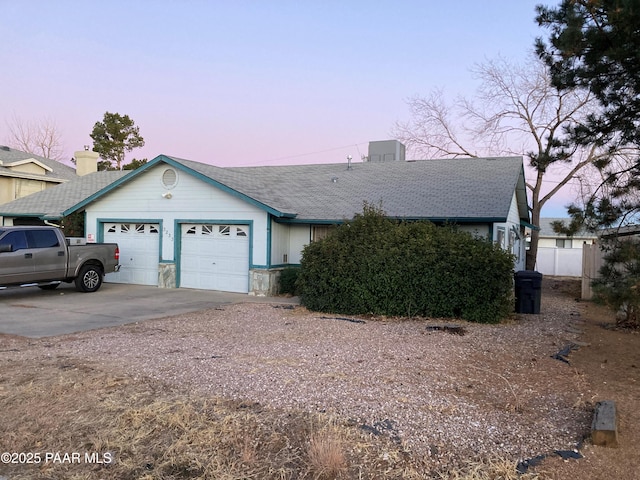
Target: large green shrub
(376,265)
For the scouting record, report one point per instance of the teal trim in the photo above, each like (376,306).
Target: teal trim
(528,225)
(99,193)
(269,233)
(407,219)
(285,265)
(179,166)
(307,221)
(177,242)
(41,216)
(101,221)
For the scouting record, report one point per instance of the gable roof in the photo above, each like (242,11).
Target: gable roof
(55,172)
(56,202)
(457,190)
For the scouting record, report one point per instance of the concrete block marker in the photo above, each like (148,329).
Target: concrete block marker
(604,428)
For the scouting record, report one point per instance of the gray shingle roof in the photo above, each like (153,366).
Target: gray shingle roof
(461,189)
(53,201)
(60,171)
(546,229)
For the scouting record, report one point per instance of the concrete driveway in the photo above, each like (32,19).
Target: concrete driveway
(32,312)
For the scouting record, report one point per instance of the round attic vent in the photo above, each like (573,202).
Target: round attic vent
(169,178)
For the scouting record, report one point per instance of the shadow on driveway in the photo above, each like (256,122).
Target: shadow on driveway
(32,312)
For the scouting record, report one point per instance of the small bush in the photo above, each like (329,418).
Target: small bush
(373,264)
(288,278)
(619,283)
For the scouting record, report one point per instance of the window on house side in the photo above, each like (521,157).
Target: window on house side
(500,237)
(320,231)
(563,243)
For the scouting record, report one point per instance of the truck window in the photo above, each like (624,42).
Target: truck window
(42,238)
(17,240)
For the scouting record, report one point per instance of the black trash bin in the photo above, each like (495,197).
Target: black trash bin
(528,291)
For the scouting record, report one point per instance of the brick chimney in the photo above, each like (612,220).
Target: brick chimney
(86,162)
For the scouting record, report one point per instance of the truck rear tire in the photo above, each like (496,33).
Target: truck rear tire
(89,279)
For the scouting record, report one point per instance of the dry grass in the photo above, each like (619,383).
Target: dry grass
(153,432)
(326,453)
(497,469)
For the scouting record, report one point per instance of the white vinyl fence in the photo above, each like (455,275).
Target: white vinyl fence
(561,262)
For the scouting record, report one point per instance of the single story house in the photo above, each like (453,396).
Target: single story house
(549,238)
(181,223)
(559,254)
(23,173)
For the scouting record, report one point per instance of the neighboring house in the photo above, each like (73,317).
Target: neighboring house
(559,254)
(22,174)
(181,223)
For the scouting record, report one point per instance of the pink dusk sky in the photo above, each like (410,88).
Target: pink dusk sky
(243,83)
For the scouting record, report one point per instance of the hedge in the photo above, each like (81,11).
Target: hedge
(377,265)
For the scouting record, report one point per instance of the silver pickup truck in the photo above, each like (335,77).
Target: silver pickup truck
(42,256)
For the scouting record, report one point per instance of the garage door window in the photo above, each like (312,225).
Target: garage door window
(133,228)
(217,230)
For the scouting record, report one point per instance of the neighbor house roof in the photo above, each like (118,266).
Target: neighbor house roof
(546,229)
(457,190)
(55,172)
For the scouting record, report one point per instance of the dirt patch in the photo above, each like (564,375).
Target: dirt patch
(253,391)
(610,366)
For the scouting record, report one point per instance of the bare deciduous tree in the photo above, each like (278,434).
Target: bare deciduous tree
(39,137)
(516,111)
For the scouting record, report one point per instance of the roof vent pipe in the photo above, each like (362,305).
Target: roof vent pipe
(349,157)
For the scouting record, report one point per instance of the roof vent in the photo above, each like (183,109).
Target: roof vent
(169,178)
(334,179)
(5,148)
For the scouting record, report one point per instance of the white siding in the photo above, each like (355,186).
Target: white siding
(576,243)
(510,227)
(289,240)
(300,236)
(190,200)
(279,244)
(481,231)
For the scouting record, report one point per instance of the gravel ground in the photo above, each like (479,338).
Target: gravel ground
(495,391)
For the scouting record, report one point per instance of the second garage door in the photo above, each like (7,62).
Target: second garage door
(215,257)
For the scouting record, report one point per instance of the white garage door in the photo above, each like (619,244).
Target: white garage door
(215,257)
(139,245)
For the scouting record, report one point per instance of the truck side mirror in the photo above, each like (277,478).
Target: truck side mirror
(5,247)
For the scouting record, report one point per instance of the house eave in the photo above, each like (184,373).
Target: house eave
(31,176)
(451,220)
